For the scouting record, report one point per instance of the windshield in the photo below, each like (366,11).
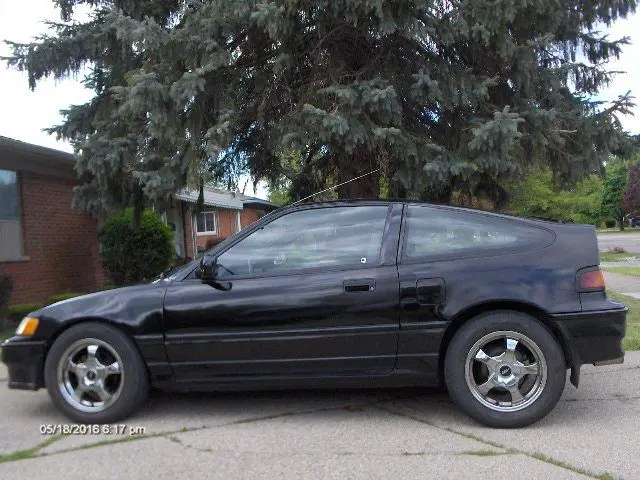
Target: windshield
(178,270)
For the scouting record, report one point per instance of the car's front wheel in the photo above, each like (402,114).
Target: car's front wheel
(505,369)
(94,374)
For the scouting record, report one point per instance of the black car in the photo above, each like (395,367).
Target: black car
(634,222)
(342,294)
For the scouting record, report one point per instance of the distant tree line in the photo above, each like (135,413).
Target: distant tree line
(608,198)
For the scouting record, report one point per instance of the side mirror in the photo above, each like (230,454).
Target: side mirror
(208,270)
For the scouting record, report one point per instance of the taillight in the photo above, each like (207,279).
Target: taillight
(591,281)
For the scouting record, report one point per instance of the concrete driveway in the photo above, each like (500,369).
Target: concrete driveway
(629,241)
(592,433)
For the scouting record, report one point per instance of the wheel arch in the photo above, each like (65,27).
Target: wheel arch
(493,306)
(89,319)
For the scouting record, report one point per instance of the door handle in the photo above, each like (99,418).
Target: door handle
(360,285)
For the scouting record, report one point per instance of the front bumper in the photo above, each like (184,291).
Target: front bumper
(24,359)
(595,336)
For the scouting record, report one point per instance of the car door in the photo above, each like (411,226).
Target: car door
(313,290)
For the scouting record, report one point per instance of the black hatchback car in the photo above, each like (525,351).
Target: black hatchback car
(342,294)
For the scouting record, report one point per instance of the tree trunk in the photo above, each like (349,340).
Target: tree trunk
(397,190)
(137,212)
(138,207)
(352,167)
(441,194)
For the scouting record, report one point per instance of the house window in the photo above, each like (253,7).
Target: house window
(10,225)
(207,223)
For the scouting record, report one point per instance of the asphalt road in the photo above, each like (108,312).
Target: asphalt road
(346,435)
(629,241)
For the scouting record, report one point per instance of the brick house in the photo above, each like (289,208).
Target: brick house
(45,246)
(224,214)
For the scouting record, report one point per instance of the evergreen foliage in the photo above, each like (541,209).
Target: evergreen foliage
(437,94)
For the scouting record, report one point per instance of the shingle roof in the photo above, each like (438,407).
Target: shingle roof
(37,151)
(249,199)
(212,198)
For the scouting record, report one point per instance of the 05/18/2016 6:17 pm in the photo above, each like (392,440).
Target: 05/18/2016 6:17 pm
(80,429)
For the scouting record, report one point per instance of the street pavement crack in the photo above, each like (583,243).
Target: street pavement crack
(608,372)
(170,435)
(29,452)
(510,450)
(606,399)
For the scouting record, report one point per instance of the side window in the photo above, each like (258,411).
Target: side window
(444,232)
(10,223)
(320,237)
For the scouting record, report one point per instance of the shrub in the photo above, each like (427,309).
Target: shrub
(617,250)
(64,296)
(131,255)
(19,311)
(610,223)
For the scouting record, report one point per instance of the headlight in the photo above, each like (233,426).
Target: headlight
(27,326)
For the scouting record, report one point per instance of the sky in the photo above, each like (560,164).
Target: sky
(26,113)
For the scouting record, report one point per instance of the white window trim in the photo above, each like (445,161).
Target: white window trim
(215,221)
(238,224)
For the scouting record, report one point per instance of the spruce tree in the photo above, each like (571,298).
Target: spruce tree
(435,95)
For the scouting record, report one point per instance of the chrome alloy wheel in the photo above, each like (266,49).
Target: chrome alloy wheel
(90,375)
(506,371)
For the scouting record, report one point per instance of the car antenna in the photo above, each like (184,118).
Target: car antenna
(335,186)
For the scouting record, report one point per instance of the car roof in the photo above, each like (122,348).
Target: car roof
(364,201)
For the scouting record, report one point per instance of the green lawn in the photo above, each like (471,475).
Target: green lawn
(634,271)
(616,257)
(632,338)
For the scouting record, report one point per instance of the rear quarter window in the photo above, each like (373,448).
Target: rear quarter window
(441,233)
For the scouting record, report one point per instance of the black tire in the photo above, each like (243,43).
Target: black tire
(135,378)
(504,321)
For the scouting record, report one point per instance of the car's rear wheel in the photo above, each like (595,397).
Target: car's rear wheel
(94,374)
(505,369)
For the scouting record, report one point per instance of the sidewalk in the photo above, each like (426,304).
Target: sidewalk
(623,263)
(627,284)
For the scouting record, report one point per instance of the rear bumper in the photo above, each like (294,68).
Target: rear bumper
(24,359)
(595,336)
